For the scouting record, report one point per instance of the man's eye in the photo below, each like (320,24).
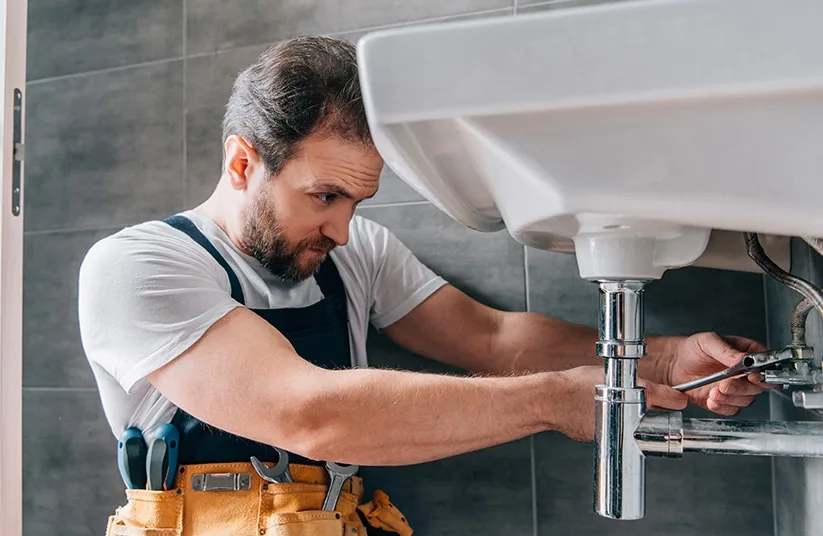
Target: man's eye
(325,198)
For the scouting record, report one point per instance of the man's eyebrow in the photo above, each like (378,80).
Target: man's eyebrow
(334,189)
(330,188)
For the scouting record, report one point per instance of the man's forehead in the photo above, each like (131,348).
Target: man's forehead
(352,168)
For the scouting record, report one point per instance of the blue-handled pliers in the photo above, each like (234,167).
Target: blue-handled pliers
(161,460)
(131,458)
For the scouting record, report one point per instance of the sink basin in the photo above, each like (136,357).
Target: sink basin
(630,132)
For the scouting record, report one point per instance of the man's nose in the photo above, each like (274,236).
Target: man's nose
(337,229)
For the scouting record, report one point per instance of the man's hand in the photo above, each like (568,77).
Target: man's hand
(578,400)
(706,353)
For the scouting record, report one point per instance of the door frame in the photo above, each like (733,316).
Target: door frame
(13,26)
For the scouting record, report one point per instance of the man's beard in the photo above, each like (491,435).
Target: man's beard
(264,238)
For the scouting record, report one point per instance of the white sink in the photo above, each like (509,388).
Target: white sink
(632,130)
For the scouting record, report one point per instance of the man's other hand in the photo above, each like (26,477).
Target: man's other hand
(579,394)
(706,353)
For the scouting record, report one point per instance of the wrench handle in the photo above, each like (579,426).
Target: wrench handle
(716,377)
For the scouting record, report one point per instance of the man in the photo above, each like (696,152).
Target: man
(243,323)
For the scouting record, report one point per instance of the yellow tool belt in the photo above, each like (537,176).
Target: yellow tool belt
(230,499)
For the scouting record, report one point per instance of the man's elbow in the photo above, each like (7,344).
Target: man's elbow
(313,421)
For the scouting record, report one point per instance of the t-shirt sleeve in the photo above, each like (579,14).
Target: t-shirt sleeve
(400,281)
(142,301)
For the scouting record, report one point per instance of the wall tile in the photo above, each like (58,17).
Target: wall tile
(215,25)
(105,149)
(684,301)
(798,482)
(488,266)
(52,353)
(696,494)
(209,80)
(70,479)
(73,36)
(484,492)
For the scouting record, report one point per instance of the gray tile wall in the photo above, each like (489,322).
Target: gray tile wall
(124,103)
(798,483)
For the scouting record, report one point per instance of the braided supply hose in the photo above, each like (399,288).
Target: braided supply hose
(813,296)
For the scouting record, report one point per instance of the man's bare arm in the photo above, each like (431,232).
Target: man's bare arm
(243,376)
(453,328)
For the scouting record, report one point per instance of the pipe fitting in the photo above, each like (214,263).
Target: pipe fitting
(668,434)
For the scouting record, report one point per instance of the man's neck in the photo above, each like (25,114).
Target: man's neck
(216,209)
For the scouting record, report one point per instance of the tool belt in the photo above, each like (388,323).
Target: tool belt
(231,499)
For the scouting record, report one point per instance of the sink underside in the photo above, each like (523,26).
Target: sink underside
(634,122)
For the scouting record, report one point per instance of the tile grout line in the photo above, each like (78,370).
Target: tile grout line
(771,403)
(534,485)
(774,497)
(40,232)
(443,18)
(185,105)
(526,277)
(532,452)
(103,71)
(160,61)
(60,389)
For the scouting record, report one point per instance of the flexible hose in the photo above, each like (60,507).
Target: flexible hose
(811,294)
(803,307)
(799,316)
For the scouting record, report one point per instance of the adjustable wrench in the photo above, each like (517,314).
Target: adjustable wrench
(338,474)
(279,474)
(749,363)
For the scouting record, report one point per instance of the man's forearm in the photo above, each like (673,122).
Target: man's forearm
(535,342)
(380,417)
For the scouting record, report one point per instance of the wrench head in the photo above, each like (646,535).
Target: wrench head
(342,470)
(278,474)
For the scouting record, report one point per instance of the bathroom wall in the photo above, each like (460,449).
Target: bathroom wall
(124,101)
(798,483)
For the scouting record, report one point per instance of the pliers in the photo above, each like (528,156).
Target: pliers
(748,364)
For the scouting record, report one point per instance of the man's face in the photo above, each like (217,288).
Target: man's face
(295,218)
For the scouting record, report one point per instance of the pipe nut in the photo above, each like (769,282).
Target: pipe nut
(661,434)
(621,349)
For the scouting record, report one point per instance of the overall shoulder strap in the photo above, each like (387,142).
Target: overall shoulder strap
(185,225)
(329,281)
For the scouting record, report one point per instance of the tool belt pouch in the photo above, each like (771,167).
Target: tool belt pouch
(382,514)
(295,509)
(148,513)
(258,508)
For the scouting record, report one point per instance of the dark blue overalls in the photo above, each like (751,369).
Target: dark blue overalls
(319,333)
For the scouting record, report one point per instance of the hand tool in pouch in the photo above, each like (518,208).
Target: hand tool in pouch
(279,474)
(161,460)
(338,474)
(131,458)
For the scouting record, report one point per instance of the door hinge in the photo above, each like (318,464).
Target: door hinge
(18,151)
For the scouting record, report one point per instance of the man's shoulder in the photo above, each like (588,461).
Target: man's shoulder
(134,244)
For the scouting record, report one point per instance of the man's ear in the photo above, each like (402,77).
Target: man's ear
(241,158)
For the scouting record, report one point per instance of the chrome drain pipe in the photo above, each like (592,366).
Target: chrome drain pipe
(668,434)
(620,470)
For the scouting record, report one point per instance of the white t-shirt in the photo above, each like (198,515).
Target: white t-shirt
(148,292)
